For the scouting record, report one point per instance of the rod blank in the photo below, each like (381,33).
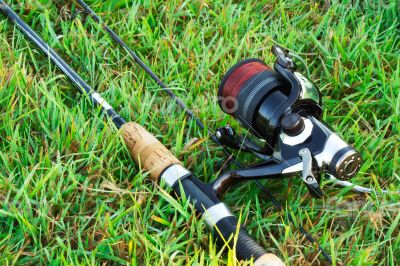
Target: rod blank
(64,67)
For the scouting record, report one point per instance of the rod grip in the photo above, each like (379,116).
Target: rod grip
(146,150)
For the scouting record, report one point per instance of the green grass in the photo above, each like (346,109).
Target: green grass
(70,194)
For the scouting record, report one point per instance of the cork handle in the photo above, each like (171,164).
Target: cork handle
(146,150)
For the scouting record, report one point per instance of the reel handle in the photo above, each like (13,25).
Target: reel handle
(154,157)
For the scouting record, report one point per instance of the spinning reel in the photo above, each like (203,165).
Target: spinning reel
(282,108)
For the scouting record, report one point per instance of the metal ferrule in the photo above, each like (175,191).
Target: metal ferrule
(216,213)
(174,173)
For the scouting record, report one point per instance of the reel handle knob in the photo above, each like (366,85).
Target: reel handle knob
(307,174)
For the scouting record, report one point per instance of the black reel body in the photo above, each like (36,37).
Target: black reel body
(283,108)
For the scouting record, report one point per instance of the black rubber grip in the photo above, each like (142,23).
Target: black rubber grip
(246,246)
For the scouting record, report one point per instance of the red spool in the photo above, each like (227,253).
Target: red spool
(236,77)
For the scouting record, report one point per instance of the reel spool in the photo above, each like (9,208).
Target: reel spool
(283,108)
(255,95)
(254,92)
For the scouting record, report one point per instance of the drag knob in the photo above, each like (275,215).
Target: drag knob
(346,163)
(292,124)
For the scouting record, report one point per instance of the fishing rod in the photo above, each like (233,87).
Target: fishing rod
(348,164)
(161,164)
